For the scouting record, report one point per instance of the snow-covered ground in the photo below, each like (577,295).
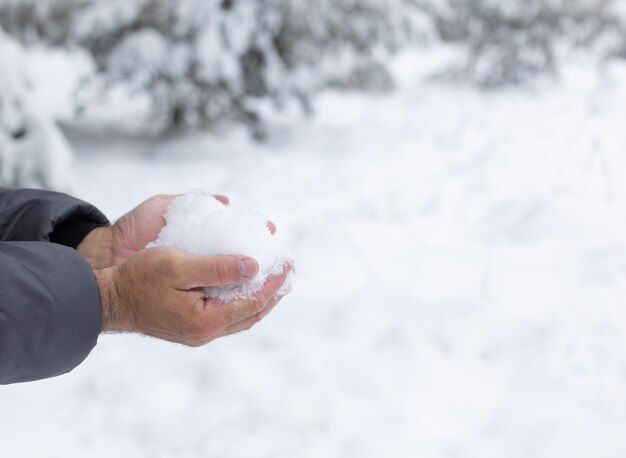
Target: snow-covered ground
(460,288)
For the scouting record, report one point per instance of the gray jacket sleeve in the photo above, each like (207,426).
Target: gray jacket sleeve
(50,309)
(34,215)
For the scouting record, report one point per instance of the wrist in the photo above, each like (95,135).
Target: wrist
(113,310)
(97,247)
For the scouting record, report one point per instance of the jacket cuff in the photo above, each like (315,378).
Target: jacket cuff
(35,215)
(72,231)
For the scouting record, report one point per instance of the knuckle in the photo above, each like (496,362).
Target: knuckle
(223,269)
(253,308)
(169,265)
(242,310)
(175,264)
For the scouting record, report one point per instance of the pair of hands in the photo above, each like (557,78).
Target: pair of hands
(158,291)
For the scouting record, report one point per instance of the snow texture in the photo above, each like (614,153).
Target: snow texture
(199,223)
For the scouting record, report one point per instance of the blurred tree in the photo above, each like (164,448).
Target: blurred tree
(201,61)
(508,41)
(33,152)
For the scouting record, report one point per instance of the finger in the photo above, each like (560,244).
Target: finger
(240,315)
(162,199)
(251,321)
(223,199)
(239,310)
(194,271)
(272,227)
(272,285)
(242,309)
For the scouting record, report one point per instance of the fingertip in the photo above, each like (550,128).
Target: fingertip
(248,268)
(287,268)
(223,199)
(272,227)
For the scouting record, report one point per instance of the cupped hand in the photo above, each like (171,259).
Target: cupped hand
(158,292)
(112,245)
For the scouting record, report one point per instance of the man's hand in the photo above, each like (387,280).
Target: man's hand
(111,246)
(158,292)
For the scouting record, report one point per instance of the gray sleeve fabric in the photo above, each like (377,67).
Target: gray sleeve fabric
(50,310)
(33,215)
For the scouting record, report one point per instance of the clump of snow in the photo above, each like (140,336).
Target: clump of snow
(199,223)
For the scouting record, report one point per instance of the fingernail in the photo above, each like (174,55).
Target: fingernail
(247,267)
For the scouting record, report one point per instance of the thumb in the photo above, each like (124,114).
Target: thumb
(198,271)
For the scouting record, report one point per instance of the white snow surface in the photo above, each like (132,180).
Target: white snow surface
(199,223)
(461,288)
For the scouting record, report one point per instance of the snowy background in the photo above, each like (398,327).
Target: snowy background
(461,271)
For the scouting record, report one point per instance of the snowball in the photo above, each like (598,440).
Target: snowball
(199,223)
